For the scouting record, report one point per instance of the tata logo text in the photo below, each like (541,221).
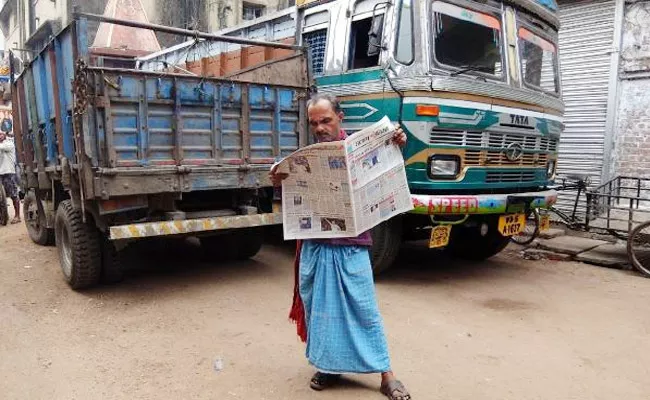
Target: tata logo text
(519,120)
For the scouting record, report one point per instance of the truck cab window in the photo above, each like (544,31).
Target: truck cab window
(363,54)
(404,46)
(316,41)
(538,61)
(467,40)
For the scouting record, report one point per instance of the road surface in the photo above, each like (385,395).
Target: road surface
(185,327)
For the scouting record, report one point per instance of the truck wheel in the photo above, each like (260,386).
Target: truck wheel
(467,243)
(78,246)
(386,243)
(248,243)
(36,222)
(237,245)
(112,271)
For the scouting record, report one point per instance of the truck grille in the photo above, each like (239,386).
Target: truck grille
(487,148)
(509,176)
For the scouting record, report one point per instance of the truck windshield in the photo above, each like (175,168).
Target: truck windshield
(538,61)
(467,40)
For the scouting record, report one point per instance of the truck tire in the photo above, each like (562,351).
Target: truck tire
(237,245)
(386,243)
(467,243)
(78,246)
(112,270)
(248,243)
(35,221)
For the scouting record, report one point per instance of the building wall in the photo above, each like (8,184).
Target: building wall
(631,154)
(207,15)
(227,13)
(12,36)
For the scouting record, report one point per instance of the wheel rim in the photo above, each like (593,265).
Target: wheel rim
(32,219)
(66,253)
(530,230)
(638,248)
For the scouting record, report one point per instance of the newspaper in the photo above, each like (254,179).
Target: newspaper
(344,188)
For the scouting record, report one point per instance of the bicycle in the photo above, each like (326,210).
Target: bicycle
(537,222)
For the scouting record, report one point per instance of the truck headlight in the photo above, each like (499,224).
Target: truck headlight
(550,169)
(444,166)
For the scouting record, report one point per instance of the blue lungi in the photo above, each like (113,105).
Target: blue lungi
(345,332)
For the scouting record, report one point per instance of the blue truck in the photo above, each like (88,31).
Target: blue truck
(109,154)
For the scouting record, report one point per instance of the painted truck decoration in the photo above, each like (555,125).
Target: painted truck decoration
(475,84)
(110,154)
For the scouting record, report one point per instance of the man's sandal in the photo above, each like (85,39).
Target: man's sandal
(321,380)
(395,390)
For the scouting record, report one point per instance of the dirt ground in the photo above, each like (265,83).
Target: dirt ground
(183,327)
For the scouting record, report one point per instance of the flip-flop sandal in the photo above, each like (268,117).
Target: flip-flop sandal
(395,390)
(15,221)
(321,380)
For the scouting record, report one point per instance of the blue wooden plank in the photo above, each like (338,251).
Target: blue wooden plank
(286,99)
(159,88)
(143,133)
(38,71)
(50,89)
(64,95)
(65,56)
(43,100)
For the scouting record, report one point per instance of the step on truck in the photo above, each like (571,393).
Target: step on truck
(109,153)
(475,85)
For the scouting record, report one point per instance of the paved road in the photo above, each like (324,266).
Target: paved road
(504,329)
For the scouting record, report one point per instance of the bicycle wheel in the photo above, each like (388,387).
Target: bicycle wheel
(638,248)
(531,230)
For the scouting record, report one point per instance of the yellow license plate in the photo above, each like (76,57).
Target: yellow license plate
(439,236)
(510,225)
(544,223)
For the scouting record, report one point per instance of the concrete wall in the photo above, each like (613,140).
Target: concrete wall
(207,15)
(631,154)
(227,13)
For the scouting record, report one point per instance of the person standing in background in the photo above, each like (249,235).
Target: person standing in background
(8,172)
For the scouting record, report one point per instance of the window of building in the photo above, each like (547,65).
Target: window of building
(252,11)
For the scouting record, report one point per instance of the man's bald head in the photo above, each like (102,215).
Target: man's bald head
(325,117)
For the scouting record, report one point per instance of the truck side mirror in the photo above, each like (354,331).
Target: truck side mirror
(375,35)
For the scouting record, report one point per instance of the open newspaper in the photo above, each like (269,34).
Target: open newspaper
(344,188)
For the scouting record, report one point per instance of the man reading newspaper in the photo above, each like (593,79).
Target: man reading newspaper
(334,306)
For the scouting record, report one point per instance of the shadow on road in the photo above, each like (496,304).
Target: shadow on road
(163,264)
(417,265)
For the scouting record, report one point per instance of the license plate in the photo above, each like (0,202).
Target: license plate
(544,222)
(510,225)
(439,236)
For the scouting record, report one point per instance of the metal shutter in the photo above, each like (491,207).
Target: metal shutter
(586,39)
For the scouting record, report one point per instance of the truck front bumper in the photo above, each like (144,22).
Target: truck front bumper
(482,204)
(164,228)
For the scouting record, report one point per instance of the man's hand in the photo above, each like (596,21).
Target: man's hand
(277,178)
(399,138)
(3,137)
